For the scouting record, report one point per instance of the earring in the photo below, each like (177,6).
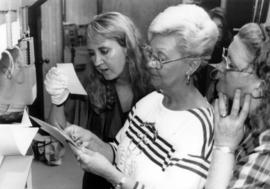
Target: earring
(187,78)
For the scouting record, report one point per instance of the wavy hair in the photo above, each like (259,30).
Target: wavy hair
(116,26)
(256,37)
(195,32)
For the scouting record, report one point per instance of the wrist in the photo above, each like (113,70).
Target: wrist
(120,183)
(61,98)
(224,149)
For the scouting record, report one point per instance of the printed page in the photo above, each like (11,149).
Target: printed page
(74,84)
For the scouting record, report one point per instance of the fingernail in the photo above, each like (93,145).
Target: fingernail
(219,94)
(238,91)
(248,96)
(79,143)
(73,137)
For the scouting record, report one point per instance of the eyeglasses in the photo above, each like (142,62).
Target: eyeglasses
(228,64)
(156,63)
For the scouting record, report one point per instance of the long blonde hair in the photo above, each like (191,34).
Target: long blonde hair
(116,26)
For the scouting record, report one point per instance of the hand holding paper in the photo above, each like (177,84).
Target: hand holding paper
(79,135)
(62,80)
(73,83)
(56,132)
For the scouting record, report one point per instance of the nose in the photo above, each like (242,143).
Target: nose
(218,71)
(98,61)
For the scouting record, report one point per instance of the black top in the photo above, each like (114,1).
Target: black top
(105,123)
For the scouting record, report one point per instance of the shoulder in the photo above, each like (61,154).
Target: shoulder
(202,117)
(151,99)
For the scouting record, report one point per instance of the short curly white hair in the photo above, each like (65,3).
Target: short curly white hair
(195,32)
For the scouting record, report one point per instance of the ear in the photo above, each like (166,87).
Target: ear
(193,66)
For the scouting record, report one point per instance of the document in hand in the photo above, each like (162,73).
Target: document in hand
(74,84)
(16,138)
(57,132)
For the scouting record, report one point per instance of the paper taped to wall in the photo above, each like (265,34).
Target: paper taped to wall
(74,84)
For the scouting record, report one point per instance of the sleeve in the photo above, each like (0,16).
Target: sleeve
(254,173)
(188,166)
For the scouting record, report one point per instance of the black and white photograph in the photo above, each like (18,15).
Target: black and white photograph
(134,94)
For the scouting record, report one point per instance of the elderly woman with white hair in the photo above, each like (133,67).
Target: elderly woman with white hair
(168,137)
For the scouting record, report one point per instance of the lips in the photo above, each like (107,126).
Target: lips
(103,70)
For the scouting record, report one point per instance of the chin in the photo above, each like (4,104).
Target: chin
(109,77)
(156,83)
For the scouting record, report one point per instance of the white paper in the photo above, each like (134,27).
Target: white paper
(25,119)
(74,84)
(16,138)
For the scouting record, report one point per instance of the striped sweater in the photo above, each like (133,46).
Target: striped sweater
(161,148)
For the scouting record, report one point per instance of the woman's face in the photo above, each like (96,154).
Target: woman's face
(163,48)
(108,56)
(239,74)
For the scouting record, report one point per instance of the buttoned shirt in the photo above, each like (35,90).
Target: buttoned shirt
(252,169)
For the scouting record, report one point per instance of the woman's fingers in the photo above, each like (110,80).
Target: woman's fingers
(69,130)
(216,111)
(222,105)
(245,109)
(236,103)
(75,150)
(73,133)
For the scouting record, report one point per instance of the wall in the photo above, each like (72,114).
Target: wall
(52,40)
(80,11)
(141,12)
